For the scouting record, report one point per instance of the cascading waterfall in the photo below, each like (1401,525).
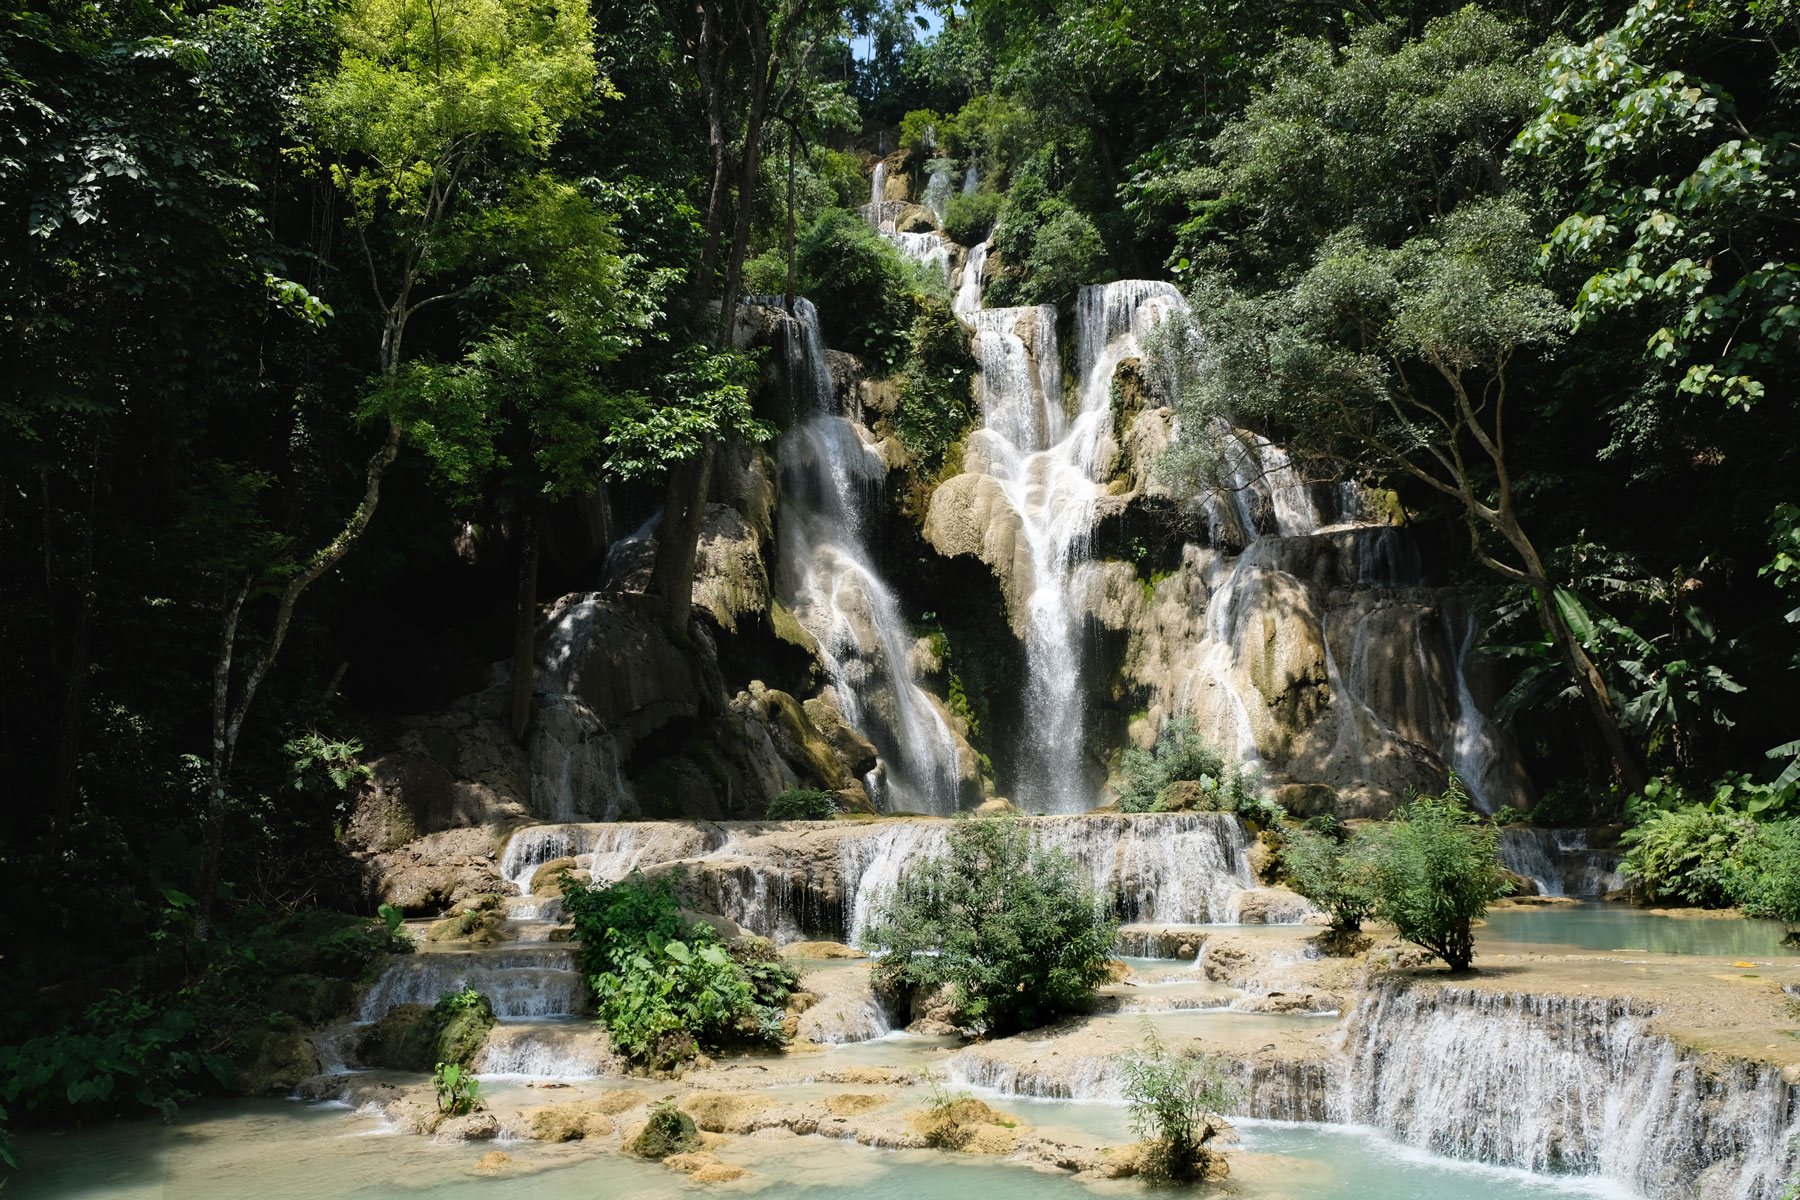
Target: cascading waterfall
(929,249)
(970,181)
(830,877)
(938,188)
(1048,466)
(832,478)
(524,983)
(878,186)
(1559,1083)
(968,293)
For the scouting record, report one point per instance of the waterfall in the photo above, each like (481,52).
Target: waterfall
(523,983)
(1574,1084)
(878,186)
(547,1052)
(969,181)
(1475,752)
(1047,466)
(832,480)
(968,293)
(938,188)
(1534,854)
(826,877)
(930,249)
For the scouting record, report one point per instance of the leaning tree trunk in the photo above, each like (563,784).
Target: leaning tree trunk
(678,540)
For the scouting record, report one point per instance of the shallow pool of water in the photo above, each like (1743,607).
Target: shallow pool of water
(1596,925)
(278,1150)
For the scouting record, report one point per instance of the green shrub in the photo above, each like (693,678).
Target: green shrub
(1066,254)
(1171,1097)
(924,131)
(458,1091)
(802,804)
(936,393)
(1337,877)
(862,288)
(1506,814)
(1764,875)
(460,1022)
(766,274)
(1434,870)
(666,989)
(1685,854)
(969,219)
(1014,931)
(1181,755)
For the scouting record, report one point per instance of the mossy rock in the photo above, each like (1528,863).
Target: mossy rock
(668,1131)
(414,1037)
(274,1063)
(483,926)
(463,1035)
(311,999)
(403,1040)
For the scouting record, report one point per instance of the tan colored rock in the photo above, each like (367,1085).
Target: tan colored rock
(1272,906)
(852,1104)
(725,1112)
(856,752)
(820,950)
(493,1162)
(731,582)
(968,1125)
(719,1172)
(476,1127)
(999,806)
(569,1122)
(970,515)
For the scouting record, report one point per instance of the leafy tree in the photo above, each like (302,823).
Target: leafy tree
(1171,1097)
(1764,876)
(1433,870)
(1337,876)
(1681,199)
(1013,930)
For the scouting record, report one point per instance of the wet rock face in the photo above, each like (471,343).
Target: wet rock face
(435,872)
(275,1063)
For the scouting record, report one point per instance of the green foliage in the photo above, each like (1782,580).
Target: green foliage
(1181,755)
(318,763)
(1014,930)
(1066,254)
(458,1091)
(1763,876)
(861,288)
(802,804)
(1506,814)
(926,132)
(420,83)
(666,989)
(1686,854)
(936,390)
(1170,1096)
(1433,870)
(1337,876)
(969,219)
(1678,212)
(126,1051)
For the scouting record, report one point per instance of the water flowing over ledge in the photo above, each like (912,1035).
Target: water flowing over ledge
(1571,1084)
(788,879)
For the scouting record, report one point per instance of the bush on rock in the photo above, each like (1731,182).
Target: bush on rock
(1013,930)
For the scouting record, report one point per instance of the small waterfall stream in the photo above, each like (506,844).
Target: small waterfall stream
(832,479)
(1047,465)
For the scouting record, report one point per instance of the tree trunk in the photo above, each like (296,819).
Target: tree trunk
(524,661)
(227,718)
(678,541)
(789,297)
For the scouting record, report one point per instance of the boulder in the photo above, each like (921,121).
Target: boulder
(432,873)
(273,1063)
(725,1112)
(856,752)
(1272,906)
(476,1127)
(569,1122)
(731,582)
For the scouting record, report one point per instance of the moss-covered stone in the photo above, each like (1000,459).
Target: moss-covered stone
(413,1037)
(461,1036)
(311,999)
(273,1063)
(668,1131)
